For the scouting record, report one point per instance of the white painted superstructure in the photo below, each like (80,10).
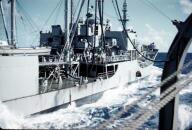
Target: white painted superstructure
(18,76)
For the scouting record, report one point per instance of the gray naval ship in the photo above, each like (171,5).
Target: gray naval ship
(84,59)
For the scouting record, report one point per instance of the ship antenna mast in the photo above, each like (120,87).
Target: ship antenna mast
(13,23)
(66,21)
(125,19)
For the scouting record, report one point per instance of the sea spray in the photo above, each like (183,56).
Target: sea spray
(91,115)
(185,108)
(8,119)
(184,116)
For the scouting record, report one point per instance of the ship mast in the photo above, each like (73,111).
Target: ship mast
(66,19)
(125,19)
(72,8)
(12,23)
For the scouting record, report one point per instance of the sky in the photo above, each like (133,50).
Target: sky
(150,23)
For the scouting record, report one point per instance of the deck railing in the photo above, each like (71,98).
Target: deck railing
(117,58)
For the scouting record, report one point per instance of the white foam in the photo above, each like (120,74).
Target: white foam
(184,116)
(79,117)
(8,119)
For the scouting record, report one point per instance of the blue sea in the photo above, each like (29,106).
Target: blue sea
(162,56)
(107,107)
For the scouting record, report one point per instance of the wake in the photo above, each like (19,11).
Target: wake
(92,115)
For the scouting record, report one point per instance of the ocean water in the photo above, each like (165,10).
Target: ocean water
(162,56)
(112,102)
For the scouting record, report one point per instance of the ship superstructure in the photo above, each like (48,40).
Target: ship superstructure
(85,58)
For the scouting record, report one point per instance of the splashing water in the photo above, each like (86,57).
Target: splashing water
(8,119)
(91,115)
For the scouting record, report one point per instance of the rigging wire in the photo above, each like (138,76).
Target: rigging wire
(76,8)
(6,32)
(100,8)
(72,2)
(47,20)
(113,3)
(16,31)
(87,26)
(148,2)
(94,48)
(28,17)
(51,14)
(122,36)
(117,7)
(74,27)
(58,12)
(71,40)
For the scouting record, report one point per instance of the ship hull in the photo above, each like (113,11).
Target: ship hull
(31,104)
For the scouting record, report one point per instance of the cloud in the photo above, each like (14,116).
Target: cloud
(154,35)
(186,6)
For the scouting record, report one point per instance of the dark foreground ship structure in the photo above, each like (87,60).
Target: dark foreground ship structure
(85,59)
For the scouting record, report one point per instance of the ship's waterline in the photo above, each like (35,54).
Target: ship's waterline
(125,73)
(68,117)
(91,115)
